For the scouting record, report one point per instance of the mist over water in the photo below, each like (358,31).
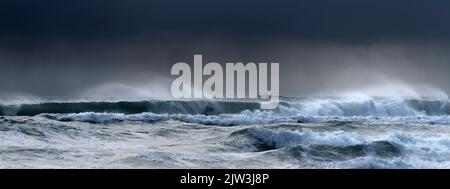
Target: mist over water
(389,87)
(306,68)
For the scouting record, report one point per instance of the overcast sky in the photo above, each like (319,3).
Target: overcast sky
(66,49)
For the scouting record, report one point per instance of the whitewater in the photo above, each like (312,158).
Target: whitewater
(306,132)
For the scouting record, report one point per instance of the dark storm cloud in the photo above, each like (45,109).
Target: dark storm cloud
(63,47)
(324,19)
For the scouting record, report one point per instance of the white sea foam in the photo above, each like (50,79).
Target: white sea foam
(416,151)
(284,138)
(247,118)
(107,117)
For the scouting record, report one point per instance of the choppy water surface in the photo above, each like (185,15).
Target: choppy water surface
(301,133)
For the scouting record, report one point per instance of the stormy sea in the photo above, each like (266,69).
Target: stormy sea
(302,133)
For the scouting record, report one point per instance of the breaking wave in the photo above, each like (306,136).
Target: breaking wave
(245,118)
(230,113)
(130,107)
(351,150)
